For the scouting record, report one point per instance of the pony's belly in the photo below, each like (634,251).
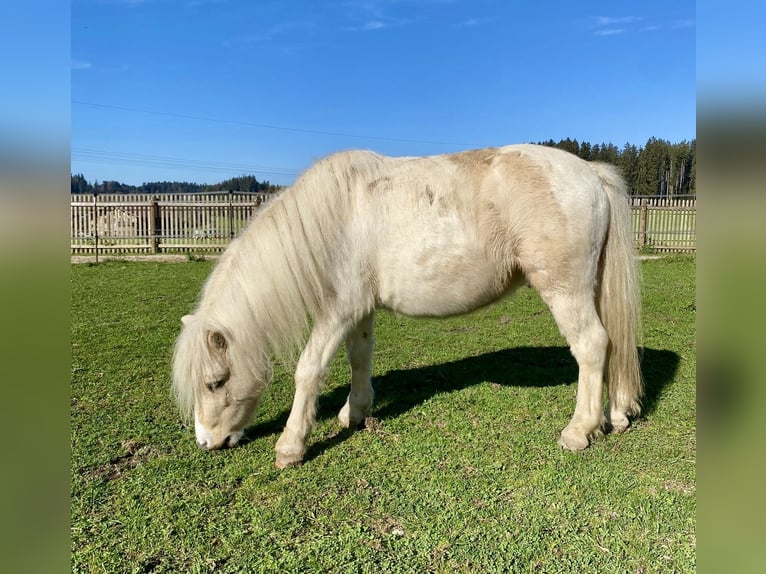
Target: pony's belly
(440,286)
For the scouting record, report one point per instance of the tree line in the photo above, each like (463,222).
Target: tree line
(246,183)
(656,168)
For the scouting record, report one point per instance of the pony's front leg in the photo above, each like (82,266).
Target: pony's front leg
(310,375)
(359,345)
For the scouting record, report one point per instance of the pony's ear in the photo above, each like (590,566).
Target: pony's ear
(216,341)
(186,319)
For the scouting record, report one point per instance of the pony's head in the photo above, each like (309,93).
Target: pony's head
(212,382)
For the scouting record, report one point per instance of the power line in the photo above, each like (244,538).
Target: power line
(175,160)
(110,157)
(272,127)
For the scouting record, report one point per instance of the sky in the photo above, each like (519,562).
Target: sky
(206,90)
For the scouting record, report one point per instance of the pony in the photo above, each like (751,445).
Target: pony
(431,236)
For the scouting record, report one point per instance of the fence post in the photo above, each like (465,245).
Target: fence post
(231,216)
(642,225)
(155,224)
(95,220)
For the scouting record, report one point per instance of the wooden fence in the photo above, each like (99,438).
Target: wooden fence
(159,223)
(665,223)
(178,223)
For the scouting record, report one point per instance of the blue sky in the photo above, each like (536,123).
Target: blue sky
(204,90)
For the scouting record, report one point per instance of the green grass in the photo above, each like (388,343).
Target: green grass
(458,471)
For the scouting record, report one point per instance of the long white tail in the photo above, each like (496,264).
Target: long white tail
(619,303)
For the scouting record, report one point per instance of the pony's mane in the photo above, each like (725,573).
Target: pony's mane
(271,280)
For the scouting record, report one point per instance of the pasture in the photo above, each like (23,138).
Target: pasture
(457,470)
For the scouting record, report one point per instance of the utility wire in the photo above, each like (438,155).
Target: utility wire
(271,127)
(110,157)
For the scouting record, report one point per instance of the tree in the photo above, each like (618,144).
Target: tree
(80,184)
(609,153)
(628,162)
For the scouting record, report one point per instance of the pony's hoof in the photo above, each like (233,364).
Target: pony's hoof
(348,422)
(573,441)
(344,417)
(351,418)
(283,462)
(619,424)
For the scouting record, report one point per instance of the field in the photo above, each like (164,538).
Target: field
(458,470)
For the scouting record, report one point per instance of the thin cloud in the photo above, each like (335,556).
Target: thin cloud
(81,65)
(371,15)
(616,21)
(613,25)
(270,35)
(288,27)
(610,32)
(678,24)
(471,22)
(373,25)
(127,2)
(616,25)
(196,3)
(367,26)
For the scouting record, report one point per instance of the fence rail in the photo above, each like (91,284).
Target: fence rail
(178,223)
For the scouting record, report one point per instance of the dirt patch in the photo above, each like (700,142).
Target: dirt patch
(678,486)
(373,425)
(133,456)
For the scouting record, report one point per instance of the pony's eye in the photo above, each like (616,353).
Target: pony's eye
(214,385)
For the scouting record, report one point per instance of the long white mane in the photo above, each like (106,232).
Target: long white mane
(270,282)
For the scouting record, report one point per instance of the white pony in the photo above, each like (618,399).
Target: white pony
(422,236)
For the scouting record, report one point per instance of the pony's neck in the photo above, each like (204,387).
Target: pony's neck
(272,277)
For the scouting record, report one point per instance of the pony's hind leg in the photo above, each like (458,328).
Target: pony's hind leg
(359,345)
(578,321)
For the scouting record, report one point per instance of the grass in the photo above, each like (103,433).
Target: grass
(457,471)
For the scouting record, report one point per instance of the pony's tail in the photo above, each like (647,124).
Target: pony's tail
(619,303)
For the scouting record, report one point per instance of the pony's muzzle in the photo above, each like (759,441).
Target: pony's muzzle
(207,442)
(226,443)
